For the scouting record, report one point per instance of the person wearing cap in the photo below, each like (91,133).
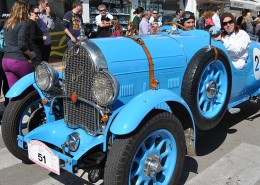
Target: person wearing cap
(138,16)
(235,40)
(71,23)
(188,20)
(103,21)
(216,18)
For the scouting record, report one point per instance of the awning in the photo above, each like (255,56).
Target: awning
(246,4)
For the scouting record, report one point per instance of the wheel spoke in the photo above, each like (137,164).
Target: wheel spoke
(160,145)
(219,83)
(164,154)
(211,105)
(143,149)
(217,75)
(139,180)
(211,75)
(201,100)
(205,106)
(203,88)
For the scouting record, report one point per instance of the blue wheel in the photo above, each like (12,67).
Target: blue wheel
(20,118)
(206,87)
(152,155)
(212,91)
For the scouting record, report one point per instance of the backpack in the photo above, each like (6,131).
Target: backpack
(2,41)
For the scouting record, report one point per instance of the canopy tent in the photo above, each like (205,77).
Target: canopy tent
(246,4)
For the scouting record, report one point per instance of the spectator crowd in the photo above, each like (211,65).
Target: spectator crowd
(25,42)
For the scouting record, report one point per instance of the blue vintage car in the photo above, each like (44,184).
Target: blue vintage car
(127,109)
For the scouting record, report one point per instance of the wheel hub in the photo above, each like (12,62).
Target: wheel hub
(152,165)
(211,89)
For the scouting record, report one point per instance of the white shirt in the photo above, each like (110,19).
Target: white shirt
(216,20)
(144,27)
(98,18)
(152,19)
(237,45)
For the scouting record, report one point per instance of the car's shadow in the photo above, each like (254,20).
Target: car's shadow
(209,141)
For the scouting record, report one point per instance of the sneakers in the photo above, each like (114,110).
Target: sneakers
(234,110)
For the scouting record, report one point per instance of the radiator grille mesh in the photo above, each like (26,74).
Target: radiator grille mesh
(77,77)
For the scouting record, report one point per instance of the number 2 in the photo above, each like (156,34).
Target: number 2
(257,63)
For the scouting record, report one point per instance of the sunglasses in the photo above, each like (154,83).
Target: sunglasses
(188,15)
(37,13)
(229,22)
(102,10)
(155,13)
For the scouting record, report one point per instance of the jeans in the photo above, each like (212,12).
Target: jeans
(15,69)
(70,43)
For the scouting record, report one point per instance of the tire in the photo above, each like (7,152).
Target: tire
(206,87)
(136,151)
(15,121)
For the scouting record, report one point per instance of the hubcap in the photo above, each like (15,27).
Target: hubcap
(152,165)
(211,89)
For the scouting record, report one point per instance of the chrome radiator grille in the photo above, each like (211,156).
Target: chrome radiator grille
(77,78)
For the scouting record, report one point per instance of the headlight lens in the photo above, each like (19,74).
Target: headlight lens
(104,89)
(45,76)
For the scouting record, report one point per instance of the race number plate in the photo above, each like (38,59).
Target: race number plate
(256,54)
(42,155)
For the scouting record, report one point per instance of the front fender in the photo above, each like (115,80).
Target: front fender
(133,113)
(21,85)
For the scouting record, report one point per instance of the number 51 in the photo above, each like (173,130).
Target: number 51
(41,158)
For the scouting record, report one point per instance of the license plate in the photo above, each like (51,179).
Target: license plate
(42,155)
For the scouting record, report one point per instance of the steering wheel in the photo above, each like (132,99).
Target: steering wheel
(177,24)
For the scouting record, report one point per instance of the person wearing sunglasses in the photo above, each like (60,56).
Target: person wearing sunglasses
(188,20)
(234,39)
(35,35)
(103,21)
(154,20)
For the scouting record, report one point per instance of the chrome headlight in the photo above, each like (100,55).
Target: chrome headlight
(73,141)
(45,76)
(104,89)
